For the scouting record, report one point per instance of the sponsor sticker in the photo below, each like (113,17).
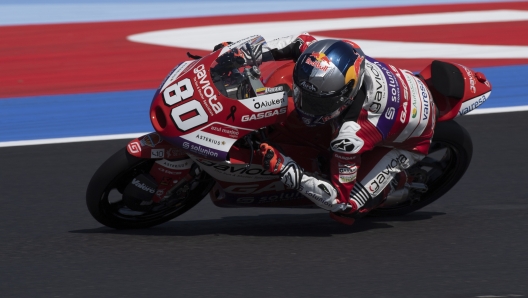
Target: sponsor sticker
(318,60)
(267,114)
(205,89)
(347,178)
(472,104)
(134,147)
(157,153)
(226,131)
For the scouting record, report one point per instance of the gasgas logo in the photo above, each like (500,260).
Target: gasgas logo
(259,116)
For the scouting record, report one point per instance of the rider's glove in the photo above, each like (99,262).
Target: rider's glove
(230,60)
(272,159)
(277,163)
(221,45)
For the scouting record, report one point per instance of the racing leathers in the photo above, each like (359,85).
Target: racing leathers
(387,128)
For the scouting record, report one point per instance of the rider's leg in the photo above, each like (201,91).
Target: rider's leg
(378,169)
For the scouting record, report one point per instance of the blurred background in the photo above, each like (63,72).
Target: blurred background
(77,71)
(89,69)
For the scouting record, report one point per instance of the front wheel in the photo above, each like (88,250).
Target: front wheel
(104,196)
(448,159)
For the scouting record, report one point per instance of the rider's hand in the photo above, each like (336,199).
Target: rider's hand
(272,159)
(229,60)
(221,45)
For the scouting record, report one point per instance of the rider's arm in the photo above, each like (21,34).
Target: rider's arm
(289,47)
(355,136)
(351,141)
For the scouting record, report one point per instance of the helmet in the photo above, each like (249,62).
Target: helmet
(326,77)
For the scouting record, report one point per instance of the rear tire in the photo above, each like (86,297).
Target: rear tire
(456,142)
(110,180)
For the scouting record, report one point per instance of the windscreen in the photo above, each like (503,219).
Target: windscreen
(236,72)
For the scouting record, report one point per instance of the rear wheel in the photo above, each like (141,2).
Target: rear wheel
(448,159)
(105,202)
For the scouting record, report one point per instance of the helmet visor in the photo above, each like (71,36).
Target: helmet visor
(318,105)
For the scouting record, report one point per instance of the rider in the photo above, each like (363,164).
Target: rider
(384,119)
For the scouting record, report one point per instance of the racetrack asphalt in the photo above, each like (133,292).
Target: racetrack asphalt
(470,243)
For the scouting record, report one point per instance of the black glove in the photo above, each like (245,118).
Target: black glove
(221,45)
(228,61)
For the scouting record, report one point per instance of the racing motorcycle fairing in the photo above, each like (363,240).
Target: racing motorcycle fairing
(456,89)
(153,146)
(205,106)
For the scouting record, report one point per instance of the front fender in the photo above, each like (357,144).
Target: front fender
(153,146)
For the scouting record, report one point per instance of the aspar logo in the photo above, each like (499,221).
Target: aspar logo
(206,88)
(471,80)
(381,177)
(142,186)
(269,103)
(263,115)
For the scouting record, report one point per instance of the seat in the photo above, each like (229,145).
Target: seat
(447,79)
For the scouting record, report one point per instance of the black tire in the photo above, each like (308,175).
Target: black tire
(459,150)
(114,174)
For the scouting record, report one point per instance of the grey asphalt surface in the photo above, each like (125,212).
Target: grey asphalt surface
(473,242)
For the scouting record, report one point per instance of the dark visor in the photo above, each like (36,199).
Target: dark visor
(321,105)
(317,105)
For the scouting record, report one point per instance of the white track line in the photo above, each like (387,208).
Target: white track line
(202,36)
(72,140)
(138,134)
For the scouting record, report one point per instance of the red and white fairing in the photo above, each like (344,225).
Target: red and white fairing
(189,111)
(191,114)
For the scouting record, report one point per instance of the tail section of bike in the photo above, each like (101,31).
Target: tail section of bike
(456,89)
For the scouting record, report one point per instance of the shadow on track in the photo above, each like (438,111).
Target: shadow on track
(273,225)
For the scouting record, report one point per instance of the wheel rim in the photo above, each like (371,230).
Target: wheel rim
(442,164)
(117,208)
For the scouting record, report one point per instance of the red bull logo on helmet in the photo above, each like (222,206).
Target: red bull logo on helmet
(353,72)
(319,61)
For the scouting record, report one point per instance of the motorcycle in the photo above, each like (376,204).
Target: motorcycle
(210,115)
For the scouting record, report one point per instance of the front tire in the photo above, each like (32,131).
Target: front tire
(104,194)
(448,159)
